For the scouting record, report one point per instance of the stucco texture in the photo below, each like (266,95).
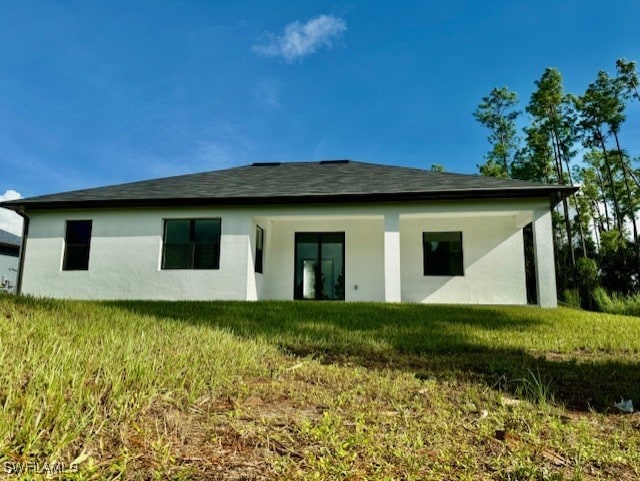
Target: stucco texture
(126,249)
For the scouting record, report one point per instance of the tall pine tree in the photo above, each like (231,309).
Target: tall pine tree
(498,113)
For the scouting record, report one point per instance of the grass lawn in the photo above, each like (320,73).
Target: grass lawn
(283,390)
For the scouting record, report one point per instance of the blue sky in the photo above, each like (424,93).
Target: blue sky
(97,93)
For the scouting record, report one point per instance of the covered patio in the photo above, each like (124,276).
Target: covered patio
(376,253)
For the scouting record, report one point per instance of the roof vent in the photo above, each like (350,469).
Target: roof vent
(342,161)
(265,164)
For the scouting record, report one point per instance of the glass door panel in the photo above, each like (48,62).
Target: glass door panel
(319,266)
(309,269)
(332,267)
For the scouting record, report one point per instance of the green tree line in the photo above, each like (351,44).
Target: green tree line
(575,139)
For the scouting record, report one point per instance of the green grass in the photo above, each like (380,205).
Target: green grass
(616,303)
(282,390)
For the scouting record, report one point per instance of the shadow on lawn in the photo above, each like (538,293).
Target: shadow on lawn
(432,341)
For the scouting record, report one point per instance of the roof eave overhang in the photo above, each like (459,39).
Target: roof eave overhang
(555,194)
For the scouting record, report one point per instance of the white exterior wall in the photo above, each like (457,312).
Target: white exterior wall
(9,269)
(364,273)
(125,256)
(493,260)
(392,262)
(543,252)
(126,247)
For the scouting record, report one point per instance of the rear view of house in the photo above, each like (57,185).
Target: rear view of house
(330,230)
(9,254)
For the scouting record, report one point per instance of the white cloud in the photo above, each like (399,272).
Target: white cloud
(9,220)
(301,39)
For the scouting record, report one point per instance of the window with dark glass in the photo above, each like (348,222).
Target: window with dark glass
(259,248)
(191,244)
(77,241)
(442,253)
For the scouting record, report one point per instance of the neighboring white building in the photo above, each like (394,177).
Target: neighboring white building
(338,230)
(9,259)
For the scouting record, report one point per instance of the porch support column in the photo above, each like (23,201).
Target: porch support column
(392,290)
(543,253)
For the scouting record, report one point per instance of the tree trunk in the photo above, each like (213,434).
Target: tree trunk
(505,160)
(596,228)
(596,216)
(604,199)
(567,221)
(575,201)
(632,174)
(614,197)
(632,211)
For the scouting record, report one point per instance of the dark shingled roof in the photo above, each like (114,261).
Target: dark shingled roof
(301,182)
(8,239)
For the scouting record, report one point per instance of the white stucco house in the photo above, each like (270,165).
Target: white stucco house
(9,255)
(334,230)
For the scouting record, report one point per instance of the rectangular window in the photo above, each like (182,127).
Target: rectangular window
(191,244)
(77,241)
(259,248)
(442,253)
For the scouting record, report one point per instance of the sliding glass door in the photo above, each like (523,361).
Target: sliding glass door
(319,266)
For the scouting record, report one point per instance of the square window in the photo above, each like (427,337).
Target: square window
(191,244)
(177,231)
(442,254)
(176,256)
